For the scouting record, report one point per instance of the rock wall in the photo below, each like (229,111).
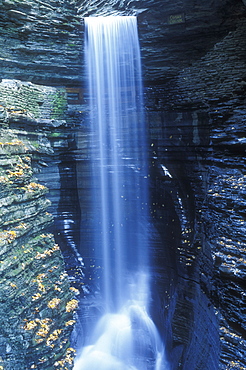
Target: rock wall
(180,142)
(193,56)
(37,302)
(217,81)
(40,41)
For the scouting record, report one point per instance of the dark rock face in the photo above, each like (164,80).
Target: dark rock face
(219,85)
(194,69)
(212,83)
(40,41)
(179,142)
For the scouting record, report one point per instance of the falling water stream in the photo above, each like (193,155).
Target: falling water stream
(125,337)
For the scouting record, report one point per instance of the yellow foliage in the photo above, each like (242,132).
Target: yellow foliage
(15,173)
(33,186)
(71,350)
(76,291)
(22,225)
(47,252)
(43,331)
(39,281)
(8,235)
(57,288)
(30,325)
(53,337)
(72,305)
(36,296)
(54,303)
(70,322)
(63,276)
(68,359)
(34,323)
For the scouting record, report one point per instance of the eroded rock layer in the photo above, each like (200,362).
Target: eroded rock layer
(37,303)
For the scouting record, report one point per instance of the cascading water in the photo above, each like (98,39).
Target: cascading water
(125,337)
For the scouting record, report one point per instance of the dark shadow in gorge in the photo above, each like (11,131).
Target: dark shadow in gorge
(67,223)
(182,292)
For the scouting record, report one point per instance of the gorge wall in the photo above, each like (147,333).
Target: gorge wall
(37,302)
(193,55)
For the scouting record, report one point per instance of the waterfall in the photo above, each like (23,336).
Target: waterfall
(125,337)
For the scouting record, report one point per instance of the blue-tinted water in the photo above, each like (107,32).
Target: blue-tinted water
(125,337)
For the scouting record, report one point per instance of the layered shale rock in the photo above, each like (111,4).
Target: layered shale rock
(40,41)
(179,143)
(37,303)
(217,81)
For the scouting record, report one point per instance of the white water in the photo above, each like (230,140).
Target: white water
(125,337)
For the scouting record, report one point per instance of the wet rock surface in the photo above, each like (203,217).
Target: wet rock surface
(218,84)
(180,143)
